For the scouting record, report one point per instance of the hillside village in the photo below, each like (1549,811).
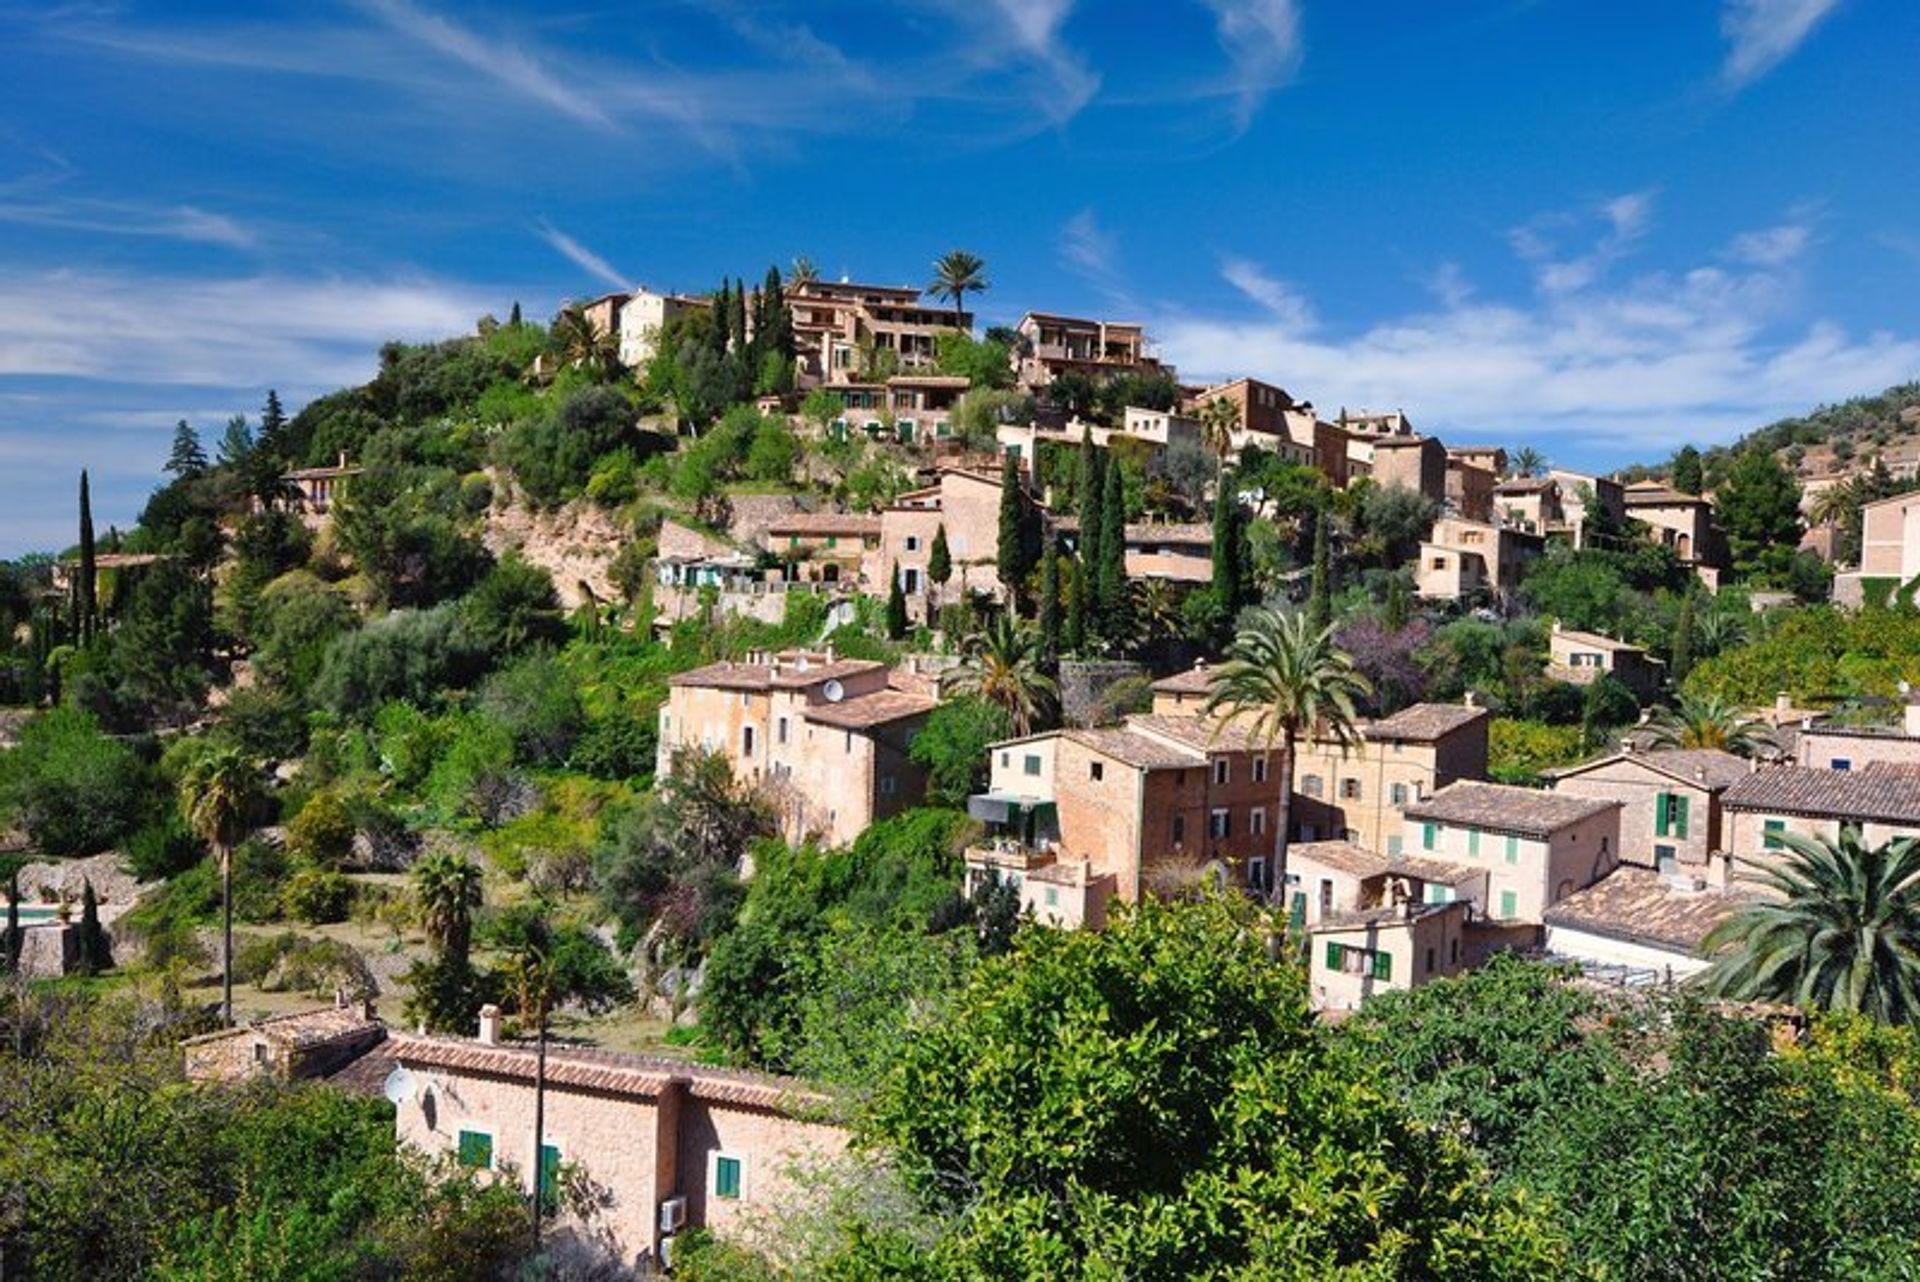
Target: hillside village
(615,735)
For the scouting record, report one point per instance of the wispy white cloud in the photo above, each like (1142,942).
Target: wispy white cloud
(1696,354)
(1624,219)
(1262,40)
(1091,251)
(1035,26)
(502,61)
(1761,34)
(122,218)
(1771,246)
(580,256)
(1289,310)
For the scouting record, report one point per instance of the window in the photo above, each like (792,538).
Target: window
(727,1172)
(1383,966)
(746,741)
(1771,832)
(1326,896)
(1509,904)
(1257,821)
(1670,815)
(1096,770)
(1222,770)
(1394,846)
(912,577)
(1350,789)
(886,785)
(1842,763)
(1179,829)
(1053,896)
(1513,849)
(913,542)
(475,1149)
(1438,894)
(1453,952)
(1219,823)
(549,1181)
(781,730)
(1310,786)
(1257,873)
(1429,969)
(847,746)
(1398,794)
(1473,841)
(1335,955)
(1031,765)
(1259,769)
(1429,834)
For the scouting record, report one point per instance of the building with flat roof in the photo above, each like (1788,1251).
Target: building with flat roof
(1056,344)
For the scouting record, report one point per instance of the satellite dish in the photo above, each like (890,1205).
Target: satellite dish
(398,1086)
(833,691)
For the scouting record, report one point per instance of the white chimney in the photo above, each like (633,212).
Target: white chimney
(1780,702)
(1913,720)
(489,1025)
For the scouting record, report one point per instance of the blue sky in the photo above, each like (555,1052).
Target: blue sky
(1601,229)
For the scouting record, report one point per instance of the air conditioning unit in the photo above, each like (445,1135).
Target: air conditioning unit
(673,1214)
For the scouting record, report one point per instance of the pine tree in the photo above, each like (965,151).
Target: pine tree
(93,957)
(1016,547)
(1680,654)
(187,458)
(236,443)
(1050,603)
(1076,635)
(1320,602)
(1110,584)
(86,585)
(273,425)
(896,605)
(940,558)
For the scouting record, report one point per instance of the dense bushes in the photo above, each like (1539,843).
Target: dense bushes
(72,788)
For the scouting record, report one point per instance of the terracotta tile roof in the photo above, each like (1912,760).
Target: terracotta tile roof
(875,709)
(1707,768)
(1827,794)
(612,1072)
(1909,770)
(1524,485)
(1171,532)
(1202,734)
(1195,680)
(1639,906)
(806,523)
(1498,807)
(1138,750)
(365,1074)
(1654,494)
(1597,641)
(1358,861)
(1425,722)
(728,675)
(302,1028)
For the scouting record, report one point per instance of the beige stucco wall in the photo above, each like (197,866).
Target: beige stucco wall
(1821,750)
(1638,787)
(1538,872)
(1890,538)
(1407,943)
(1372,819)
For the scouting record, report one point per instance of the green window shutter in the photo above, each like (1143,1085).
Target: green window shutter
(1513,849)
(1473,841)
(1297,915)
(1383,965)
(549,1178)
(1427,834)
(1662,813)
(1333,956)
(1509,904)
(1679,816)
(726,1177)
(1771,838)
(476,1149)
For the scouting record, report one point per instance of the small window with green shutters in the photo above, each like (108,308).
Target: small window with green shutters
(476,1149)
(549,1179)
(1775,831)
(1509,904)
(726,1178)
(1334,956)
(1662,814)
(1679,812)
(1383,965)
(1427,834)
(1473,841)
(1513,849)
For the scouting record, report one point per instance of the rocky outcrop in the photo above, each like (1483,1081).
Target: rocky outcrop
(575,544)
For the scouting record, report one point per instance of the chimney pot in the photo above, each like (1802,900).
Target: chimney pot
(490,1025)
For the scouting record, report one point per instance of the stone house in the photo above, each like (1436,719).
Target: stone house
(1881,801)
(1460,559)
(1889,549)
(1608,499)
(1530,503)
(1274,421)
(1054,345)
(1825,745)
(286,1048)
(1417,463)
(670,1146)
(1537,847)
(1335,877)
(1179,552)
(825,547)
(1670,820)
(1470,488)
(644,315)
(833,321)
(316,489)
(1067,894)
(1683,522)
(826,736)
(1359,794)
(1581,657)
(967,504)
(1490,458)
(1640,924)
(1353,955)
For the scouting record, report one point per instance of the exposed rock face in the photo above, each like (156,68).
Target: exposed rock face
(1084,682)
(58,879)
(575,544)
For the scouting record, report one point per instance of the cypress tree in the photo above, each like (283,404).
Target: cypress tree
(1110,584)
(1089,498)
(1015,551)
(273,425)
(513,317)
(778,316)
(1050,602)
(896,605)
(1076,635)
(10,941)
(93,956)
(740,312)
(1227,577)
(940,558)
(722,319)
(87,600)
(187,457)
(1680,656)
(1320,602)
(1687,476)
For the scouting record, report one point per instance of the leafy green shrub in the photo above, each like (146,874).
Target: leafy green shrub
(164,847)
(72,788)
(410,655)
(1518,751)
(322,833)
(316,895)
(615,479)
(535,701)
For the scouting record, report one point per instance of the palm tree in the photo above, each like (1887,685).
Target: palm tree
(583,345)
(1003,665)
(1219,420)
(1718,630)
(1285,678)
(447,888)
(218,791)
(955,275)
(1841,931)
(1528,461)
(1708,721)
(803,272)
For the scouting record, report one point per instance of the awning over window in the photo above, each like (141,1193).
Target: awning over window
(1004,808)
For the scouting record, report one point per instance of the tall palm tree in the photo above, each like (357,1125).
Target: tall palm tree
(1528,461)
(1708,721)
(1840,932)
(583,345)
(1219,420)
(1718,630)
(1004,665)
(803,272)
(447,888)
(218,792)
(1285,678)
(955,275)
